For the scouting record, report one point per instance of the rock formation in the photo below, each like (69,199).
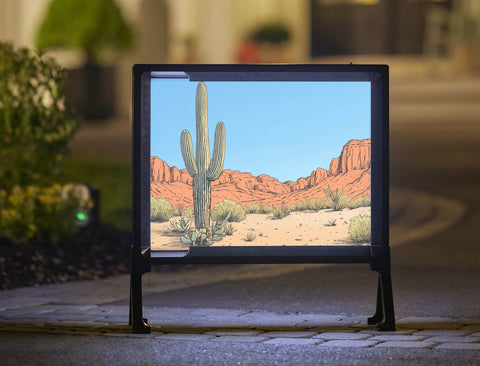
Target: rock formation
(350,171)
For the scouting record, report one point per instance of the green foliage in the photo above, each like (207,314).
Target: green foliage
(281,212)
(316,204)
(44,214)
(160,210)
(250,235)
(299,206)
(187,212)
(360,229)
(253,209)
(266,209)
(274,32)
(205,237)
(229,208)
(335,199)
(229,229)
(360,202)
(96,26)
(182,224)
(35,123)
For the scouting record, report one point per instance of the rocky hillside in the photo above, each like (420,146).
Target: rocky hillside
(350,171)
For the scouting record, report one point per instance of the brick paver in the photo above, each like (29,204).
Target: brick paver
(237,326)
(294,341)
(407,344)
(241,339)
(465,346)
(291,334)
(395,337)
(343,336)
(349,343)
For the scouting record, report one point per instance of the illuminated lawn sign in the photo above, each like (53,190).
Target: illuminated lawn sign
(261,164)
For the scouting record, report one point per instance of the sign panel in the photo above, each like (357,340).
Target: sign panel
(259,163)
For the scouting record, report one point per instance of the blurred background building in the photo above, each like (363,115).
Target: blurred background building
(301,31)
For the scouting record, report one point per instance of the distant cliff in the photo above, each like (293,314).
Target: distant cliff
(350,171)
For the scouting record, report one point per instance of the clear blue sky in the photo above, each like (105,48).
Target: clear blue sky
(283,129)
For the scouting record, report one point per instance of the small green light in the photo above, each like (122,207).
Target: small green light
(82,216)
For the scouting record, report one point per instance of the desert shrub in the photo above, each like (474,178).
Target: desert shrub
(360,229)
(299,206)
(205,237)
(186,212)
(182,224)
(253,209)
(281,212)
(266,209)
(35,122)
(316,204)
(335,199)
(223,208)
(331,222)
(250,235)
(360,202)
(160,210)
(43,214)
(229,229)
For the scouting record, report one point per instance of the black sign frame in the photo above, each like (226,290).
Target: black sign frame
(377,254)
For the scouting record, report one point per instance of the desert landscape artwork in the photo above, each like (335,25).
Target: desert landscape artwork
(289,164)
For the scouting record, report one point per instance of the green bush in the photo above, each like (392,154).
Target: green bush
(253,208)
(266,209)
(97,27)
(44,214)
(35,122)
(281,212)
(316,204)
(221,209)
(360,229)
(360,202)
(299,206)
(335,199)
(160,210)
(229,229)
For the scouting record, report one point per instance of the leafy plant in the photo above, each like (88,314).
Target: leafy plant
(281,212)
(205,237)
(360,229)
(335,198)
(43,214)
(360,202)
(250,235)
(35,122)
(253,208)
(273,32)
(266,209)
(229,229)
(160,210)
(316,204)
(331,222)
(228,208)
(95,26)
(181,225)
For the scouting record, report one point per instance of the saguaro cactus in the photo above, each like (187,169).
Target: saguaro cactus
(203,169)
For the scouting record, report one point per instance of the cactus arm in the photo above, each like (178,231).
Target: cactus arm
(187,153)
(202,149)
(216,164)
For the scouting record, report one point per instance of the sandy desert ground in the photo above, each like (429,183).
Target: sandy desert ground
(298,228)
